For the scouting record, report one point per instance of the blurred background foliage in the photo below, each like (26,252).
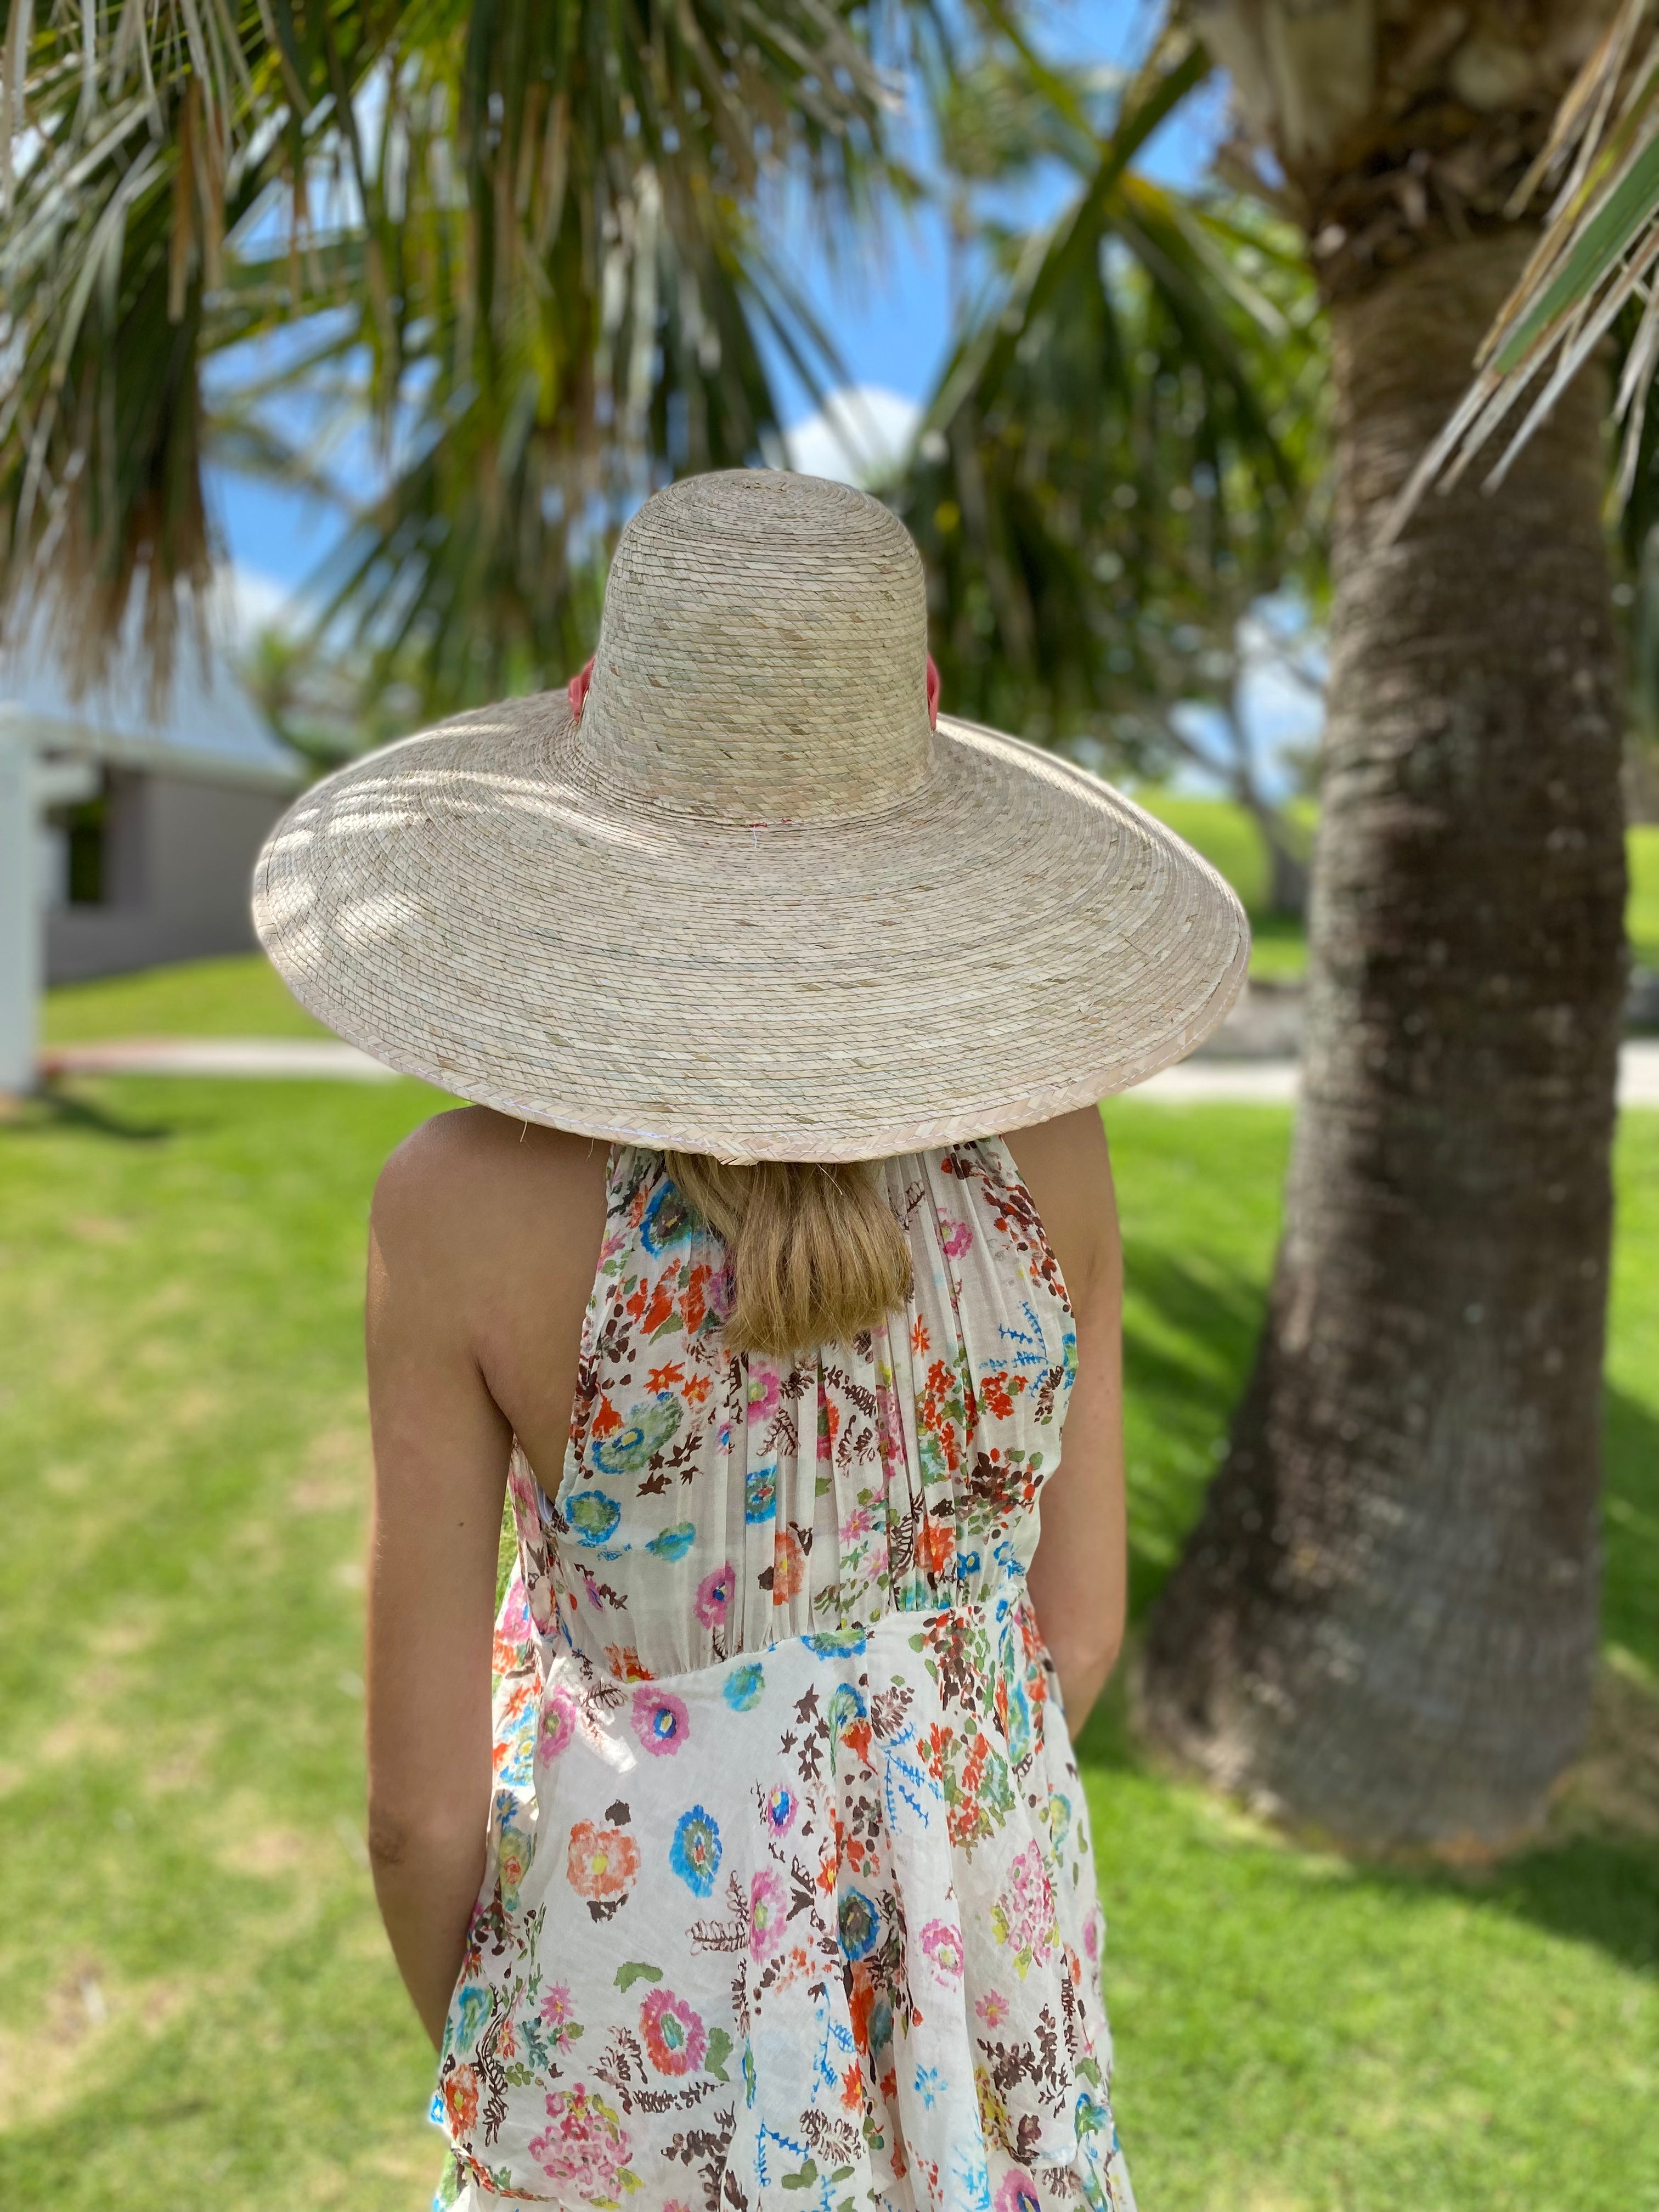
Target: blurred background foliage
(511,268)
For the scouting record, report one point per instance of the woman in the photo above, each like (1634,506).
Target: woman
(760,1876)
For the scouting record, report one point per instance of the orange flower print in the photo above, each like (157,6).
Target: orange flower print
(660,1310)
(603,1866)
(788,1567)
(936,1545)
(665,1378)
(694,1306)
(461,2101)
(695,1390)
(625,1663)
(995,1397)
(607,1420)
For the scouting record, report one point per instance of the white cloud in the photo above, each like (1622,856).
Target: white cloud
(245,601)
(860,432)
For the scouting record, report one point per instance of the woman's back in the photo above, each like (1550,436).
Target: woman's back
(789,1898)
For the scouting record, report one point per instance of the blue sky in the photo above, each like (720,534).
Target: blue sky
(890,313)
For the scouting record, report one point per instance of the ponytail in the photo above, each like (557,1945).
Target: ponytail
(817,1253)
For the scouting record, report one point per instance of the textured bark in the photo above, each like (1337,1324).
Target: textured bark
(1385,1623)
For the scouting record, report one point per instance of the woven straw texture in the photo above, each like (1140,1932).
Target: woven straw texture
(750,903)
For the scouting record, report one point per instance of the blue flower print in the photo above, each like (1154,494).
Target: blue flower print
(1060,1818)
(667,1220)
(781,1806)
(467,2016)
(759,1493)
(743,1686)
(694,1853)
(929,2082)
(1019,1723)
(859,1923)
(647,1429)
(674,1543)
(592,1515)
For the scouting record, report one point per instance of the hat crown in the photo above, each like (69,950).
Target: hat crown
(763,650)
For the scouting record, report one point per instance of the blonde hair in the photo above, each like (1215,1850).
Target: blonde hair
(817,1253)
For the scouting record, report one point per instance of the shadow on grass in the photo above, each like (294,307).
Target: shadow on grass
(52,1107)
(1190,1330)
(1600,1889)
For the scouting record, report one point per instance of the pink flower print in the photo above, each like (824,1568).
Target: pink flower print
(556,2012)
(761,1393)
(558,1720)
(941,1944)
(768,1914)
(674,2037)
(1017,2192)
(1023,1917)
(955,1237)
(660,1721)
(583,2145)
(1094,1928)
(992,2008)
(855,1528)
(714,1596)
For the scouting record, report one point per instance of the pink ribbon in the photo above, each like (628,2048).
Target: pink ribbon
(577,690)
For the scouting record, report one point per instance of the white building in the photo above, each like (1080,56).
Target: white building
(127,837)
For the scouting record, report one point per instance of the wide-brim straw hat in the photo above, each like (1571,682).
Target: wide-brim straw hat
(749,900)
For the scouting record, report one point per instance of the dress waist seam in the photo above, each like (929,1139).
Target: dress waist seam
(828,1645)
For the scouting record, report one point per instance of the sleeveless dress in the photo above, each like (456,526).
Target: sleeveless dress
(789,1904)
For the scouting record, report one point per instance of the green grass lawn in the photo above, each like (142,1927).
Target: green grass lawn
(196,2008)
(241,995)
(1642,914)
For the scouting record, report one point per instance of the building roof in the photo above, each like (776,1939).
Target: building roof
(207,728)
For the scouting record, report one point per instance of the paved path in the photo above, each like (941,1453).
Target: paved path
(262,1056)
(1259,1082)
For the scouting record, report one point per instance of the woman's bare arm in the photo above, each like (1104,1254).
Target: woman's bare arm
(1078,1579)
(483,1243)
(441,1454)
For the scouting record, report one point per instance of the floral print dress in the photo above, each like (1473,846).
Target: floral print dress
(789,1904)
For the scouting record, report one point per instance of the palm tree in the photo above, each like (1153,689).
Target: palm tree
(1123,448)
(518,241)
(1385,1622)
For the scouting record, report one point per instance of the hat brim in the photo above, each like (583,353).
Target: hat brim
(476,907)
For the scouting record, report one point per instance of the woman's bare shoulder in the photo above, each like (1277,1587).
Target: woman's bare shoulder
(470,1185)
(1066,1166)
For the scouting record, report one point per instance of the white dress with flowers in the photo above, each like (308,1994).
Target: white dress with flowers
(790,1903)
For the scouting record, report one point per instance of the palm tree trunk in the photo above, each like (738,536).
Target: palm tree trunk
(1385,1623)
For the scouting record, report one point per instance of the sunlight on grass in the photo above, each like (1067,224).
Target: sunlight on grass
(196,2005)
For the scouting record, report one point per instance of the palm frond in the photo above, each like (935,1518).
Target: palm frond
(530,224)
(1117,455)
(1597,255)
